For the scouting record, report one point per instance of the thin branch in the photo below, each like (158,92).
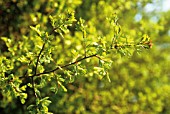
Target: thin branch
(53,30)
(35,72)
(38,58)
(64,66)
(33,86)
(117,46)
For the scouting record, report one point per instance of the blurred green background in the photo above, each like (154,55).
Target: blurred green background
(140,84)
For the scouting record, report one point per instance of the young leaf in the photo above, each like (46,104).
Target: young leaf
(36,29)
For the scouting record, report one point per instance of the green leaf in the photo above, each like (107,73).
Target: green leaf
(44,99)
(108,77)
(46,103)
(37,101)
(52,21)
(101,62)
(23,96)
(23,88)
(7,41)
(100,50)
(37,92)
(53,89)
(63,87)
(30,107)
(29,85)
(145,38)
(36,29)
(23,59)
(22,101)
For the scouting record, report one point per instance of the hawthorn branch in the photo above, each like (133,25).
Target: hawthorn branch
(38,58)
(53,30)
(144,45)
(35,70)
(64,66)
(33,86)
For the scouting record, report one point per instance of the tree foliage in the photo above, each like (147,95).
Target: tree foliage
(82,56)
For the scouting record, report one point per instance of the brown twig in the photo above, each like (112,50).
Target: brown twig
(38,58)
(64,66)
(33,86)
(35,70)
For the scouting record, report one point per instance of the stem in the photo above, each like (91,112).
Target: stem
(38,58)
(116,46)
(35,72)
(53,30)
(64,66)
(33,86)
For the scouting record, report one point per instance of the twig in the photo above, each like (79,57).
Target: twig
(35,70)
(38,58)
(64,66)
(33,86)
(117,46)
(53,30)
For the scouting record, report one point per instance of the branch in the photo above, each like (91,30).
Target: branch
(53,30)
(64,66)
(144,45)
(35,72)
(38,58)
(33,86)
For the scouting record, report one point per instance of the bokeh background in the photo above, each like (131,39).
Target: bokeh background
(140,84)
